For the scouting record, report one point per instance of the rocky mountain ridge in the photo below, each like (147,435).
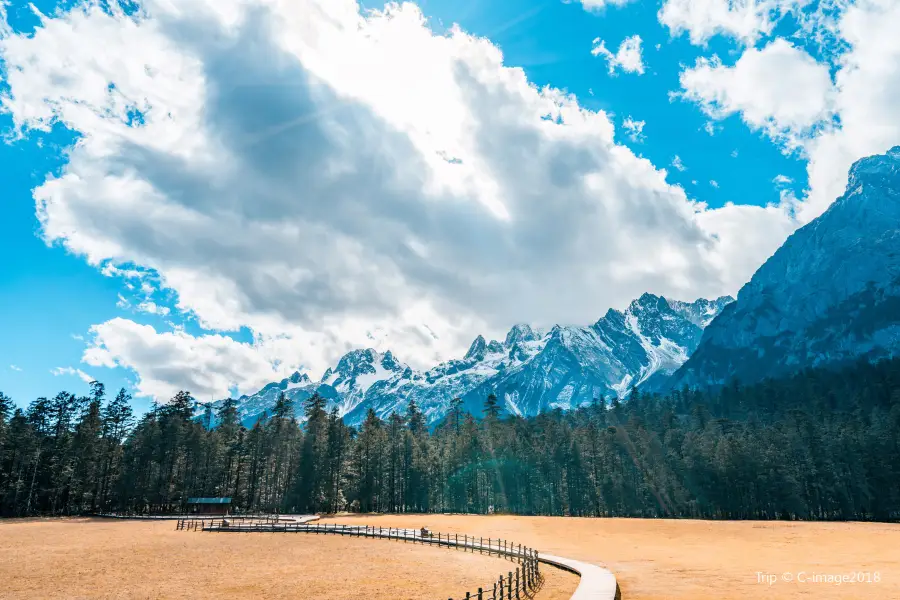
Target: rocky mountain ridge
(530,371)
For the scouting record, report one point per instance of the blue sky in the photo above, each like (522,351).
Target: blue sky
(205,307)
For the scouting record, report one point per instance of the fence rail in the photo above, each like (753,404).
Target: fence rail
(514,585)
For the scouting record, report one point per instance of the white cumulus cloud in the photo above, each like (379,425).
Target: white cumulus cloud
(782,180)
(779,89)
(150,307)
(745,20)
(867,85)
(166,362)
(330,179)
(627,58)
(634,129)
(833,120)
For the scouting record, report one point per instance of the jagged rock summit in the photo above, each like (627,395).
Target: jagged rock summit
(530,371)
(829,295)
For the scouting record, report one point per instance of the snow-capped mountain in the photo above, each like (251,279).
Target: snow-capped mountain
(830,294)
(530,371)
(344,387)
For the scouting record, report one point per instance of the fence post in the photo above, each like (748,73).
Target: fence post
(517,583)
(480,594)
(500,597)
(509,586)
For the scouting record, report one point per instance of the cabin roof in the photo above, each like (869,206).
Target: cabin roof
(209,501)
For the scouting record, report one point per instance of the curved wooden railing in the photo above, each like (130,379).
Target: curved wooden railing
(514,585)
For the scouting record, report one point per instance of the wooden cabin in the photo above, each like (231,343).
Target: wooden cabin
(209,506)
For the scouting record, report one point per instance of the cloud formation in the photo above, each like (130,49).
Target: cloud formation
(209,365)
(627,58)
(634,129)
(779,89)
(601,4)
(330,179)
(73,372)
(832,120)
(745,20)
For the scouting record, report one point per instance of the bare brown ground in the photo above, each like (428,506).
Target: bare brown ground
(88,558)
(701,560)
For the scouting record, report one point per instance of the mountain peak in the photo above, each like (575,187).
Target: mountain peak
(521,332)
(477,349)
(701,311)
(879,167)
(648,301)
(298,377)
(872,198)
(827,296)
(389,362)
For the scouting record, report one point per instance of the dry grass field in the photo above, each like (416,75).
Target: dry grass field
(701,560)
(87,558)
(652,559)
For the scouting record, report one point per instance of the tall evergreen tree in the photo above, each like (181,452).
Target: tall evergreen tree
(822,444)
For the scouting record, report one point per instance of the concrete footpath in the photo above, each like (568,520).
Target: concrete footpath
(596,582)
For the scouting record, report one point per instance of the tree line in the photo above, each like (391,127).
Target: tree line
(822,444)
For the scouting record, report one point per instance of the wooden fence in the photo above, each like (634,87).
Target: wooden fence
(513,585)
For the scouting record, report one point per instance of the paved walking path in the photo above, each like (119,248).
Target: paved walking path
(596,583)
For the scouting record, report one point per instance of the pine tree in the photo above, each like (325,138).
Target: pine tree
(6,407)
(309,495)
(118,419)
(491,409)
(822,444)
(87,450)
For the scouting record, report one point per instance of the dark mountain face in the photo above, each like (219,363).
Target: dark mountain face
(829,295)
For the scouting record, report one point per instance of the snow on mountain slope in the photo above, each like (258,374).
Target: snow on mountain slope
(355,374)
(701,312)
(530,371)
(830,294)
